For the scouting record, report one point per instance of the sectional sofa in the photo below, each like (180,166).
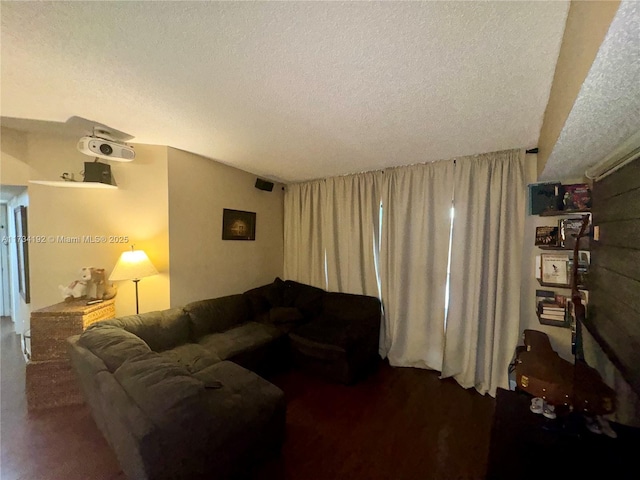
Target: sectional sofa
(183,393)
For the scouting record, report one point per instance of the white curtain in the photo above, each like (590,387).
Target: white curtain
(416,206)
(304,255)
(484,307)
(350,232)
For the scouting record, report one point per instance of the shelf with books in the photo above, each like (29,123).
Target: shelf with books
(556,309)
(557,213)
(554,198)
(551,308)
(566,249)
(562,236)
(562,209)
(560,285)
(554,269)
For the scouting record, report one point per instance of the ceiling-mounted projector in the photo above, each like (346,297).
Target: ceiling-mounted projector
(107,149)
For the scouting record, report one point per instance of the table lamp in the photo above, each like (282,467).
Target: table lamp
(133,265)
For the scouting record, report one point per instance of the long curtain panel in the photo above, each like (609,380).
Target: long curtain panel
(351,229)
(416,204)
(484,307)
(304,255)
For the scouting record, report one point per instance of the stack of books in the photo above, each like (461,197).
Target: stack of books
(552,311)
(551,308)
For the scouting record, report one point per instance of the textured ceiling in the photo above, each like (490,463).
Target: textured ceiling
(290,90)
(607,110)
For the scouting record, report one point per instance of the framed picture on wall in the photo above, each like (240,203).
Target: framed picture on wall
(238,225)
(22,247)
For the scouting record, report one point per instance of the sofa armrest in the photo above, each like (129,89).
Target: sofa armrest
(111,344)
(161,330)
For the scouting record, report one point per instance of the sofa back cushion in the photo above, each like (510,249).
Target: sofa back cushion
(350,307)
(267,296)
(161,388)
(113,345)
(217,314)
(161,330)
(304,297)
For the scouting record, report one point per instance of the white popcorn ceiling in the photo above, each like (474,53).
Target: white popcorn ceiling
(290,90)
(607,110)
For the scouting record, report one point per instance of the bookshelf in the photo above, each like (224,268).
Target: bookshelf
(554,244)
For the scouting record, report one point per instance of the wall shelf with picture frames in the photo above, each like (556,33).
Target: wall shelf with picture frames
(555,241)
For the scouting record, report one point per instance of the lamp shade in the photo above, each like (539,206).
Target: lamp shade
(133,265)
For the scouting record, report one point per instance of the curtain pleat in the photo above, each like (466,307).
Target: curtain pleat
(350,232)
(304,254)
(484,308)
(413,262)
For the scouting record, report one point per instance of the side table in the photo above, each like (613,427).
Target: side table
(50,382)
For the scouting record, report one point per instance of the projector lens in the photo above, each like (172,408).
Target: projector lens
(106,149)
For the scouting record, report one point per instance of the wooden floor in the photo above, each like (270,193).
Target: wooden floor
(400,423)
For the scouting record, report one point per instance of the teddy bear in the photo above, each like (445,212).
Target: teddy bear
(110,291)
(96,283)
(77,288)
(97,286)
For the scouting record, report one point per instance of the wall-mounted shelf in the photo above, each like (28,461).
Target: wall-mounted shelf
(565,323)
(556,213)
(62,183)
(561,249)
(561,285)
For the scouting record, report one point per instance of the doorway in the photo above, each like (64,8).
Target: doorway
(5,274)
(12,303)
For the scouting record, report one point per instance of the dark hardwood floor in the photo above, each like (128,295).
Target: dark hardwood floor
(399,423)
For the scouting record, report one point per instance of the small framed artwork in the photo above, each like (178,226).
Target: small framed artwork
(238,225)
(555,269)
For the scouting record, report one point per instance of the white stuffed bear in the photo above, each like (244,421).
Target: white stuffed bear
(77,288)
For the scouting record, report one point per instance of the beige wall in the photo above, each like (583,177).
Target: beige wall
(138,209)
(202,264)
(13,167)
(586,27)
(164,196)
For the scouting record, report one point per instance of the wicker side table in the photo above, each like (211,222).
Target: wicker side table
(50,382)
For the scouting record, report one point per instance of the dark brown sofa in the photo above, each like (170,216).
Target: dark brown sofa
(178,393)
(332,334)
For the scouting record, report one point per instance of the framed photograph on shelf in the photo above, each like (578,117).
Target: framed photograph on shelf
(544,197)
(554,269)
(547,236)
(238,225)
(576,197)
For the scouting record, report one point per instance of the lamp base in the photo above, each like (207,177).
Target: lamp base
(136,282)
